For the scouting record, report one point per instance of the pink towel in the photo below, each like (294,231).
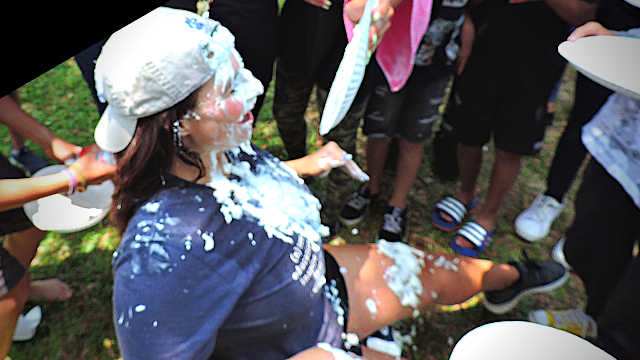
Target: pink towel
(397,50)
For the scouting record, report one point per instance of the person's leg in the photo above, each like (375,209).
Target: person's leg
(419,111)
(339,184)
(254,24)
(503,175)
(409,161)
(570,152)
(86,61)
(377,149)
(599,243)
(290,100)
(381,119)
(619,324)
(506,169)
(383,290)
(11,305)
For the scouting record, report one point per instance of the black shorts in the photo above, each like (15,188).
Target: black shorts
(11,271)
(14,220)
(517,122)
(331,332)
(408,113)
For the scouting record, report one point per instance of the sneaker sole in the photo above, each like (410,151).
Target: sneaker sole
(352,222)
(356,221)
(509,305)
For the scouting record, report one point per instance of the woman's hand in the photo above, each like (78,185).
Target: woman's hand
(321,160)
(591,28)
(381,18)
(325,4)
(60,150)
(94,170)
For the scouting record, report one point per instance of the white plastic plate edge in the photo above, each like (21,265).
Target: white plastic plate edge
(349,75)
(611,61)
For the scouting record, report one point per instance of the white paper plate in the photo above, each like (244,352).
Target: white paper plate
(349,75)
(73,213)
(522,340)
(634,2)
(611,61)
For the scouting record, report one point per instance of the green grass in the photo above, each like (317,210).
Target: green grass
(82,327)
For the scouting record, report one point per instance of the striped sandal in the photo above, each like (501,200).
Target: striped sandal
(455,209)
(476,235)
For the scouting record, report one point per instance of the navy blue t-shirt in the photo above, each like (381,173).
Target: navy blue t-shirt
(224,271)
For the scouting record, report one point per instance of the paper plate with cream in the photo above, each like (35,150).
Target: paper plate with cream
(73,213)
(349,75)
(611,61)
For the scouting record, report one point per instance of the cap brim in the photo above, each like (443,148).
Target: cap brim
(114,132)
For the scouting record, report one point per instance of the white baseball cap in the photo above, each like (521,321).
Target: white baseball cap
(152,64)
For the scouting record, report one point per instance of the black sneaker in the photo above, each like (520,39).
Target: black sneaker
(535,277)
(27,161)
(394,225)
(357,206)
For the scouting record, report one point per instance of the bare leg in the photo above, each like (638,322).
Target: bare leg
(377,150)
(11,305)
(22,246)
(364,268)
(504,174)
(469,162)
(409,160)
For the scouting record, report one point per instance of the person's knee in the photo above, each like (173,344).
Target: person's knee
(13,301)
(23,245)
(507,157)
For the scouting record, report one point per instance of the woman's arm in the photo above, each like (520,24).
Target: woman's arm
(17,192)
(12,115)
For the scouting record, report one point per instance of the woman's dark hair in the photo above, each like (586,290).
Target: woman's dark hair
(149,155)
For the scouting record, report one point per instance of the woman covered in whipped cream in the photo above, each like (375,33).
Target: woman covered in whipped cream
(221,254)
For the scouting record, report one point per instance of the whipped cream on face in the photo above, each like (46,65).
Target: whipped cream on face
(227,99)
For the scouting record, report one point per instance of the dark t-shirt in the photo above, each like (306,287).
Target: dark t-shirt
(440,45)
(233,270)
(516,49)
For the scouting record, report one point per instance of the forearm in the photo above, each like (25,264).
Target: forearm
(17,192)
(575,12)
(18,120)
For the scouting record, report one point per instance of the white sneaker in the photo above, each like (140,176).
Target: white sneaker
(534,223)
(27,324)
(557,254)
